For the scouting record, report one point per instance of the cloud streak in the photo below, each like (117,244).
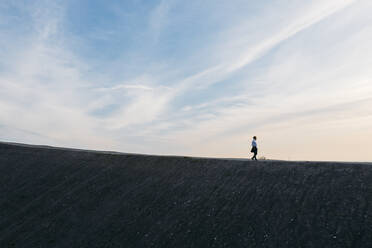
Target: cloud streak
(185,80)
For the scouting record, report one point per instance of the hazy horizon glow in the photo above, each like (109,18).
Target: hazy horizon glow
(195,78)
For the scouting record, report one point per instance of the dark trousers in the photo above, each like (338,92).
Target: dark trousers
(254,150)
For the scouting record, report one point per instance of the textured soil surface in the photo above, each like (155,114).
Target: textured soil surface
(54,197)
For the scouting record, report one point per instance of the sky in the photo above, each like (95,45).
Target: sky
(193,78)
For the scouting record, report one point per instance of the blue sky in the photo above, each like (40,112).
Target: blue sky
(189,77)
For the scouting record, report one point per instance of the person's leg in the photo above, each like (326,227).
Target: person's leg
(255,155)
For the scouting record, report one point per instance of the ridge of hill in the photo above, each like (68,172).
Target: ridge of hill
(58,197)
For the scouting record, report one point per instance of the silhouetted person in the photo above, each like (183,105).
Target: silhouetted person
(254,148)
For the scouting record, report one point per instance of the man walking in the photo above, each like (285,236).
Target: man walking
(254,148)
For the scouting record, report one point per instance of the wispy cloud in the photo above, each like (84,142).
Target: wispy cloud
(199,79)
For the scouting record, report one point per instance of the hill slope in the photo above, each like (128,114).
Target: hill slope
(54,197)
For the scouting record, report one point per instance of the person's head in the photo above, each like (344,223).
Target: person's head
(254,137)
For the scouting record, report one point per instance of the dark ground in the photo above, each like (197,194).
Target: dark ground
(54,197)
